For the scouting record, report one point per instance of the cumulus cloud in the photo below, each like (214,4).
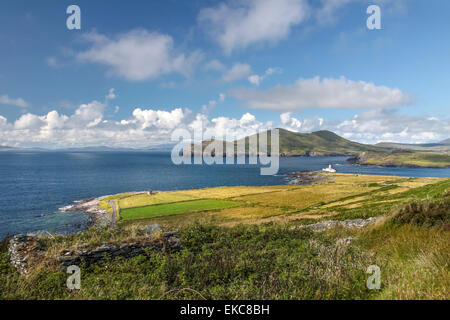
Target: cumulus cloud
(237,72)
(389,125)
(257,79)
(138,55)
(290,123)
(18,102)
(238,25)
(206,108)
(327,12)
(322,93)
(144,127)
(111,94)
(153,126)
(147,127)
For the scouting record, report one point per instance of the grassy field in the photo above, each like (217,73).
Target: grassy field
(175,208)
(244,243)
(344,196)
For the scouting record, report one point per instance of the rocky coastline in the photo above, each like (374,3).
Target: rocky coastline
(366,159)
(90,206)
(307,177)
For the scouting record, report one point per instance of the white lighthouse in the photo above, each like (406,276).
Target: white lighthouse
(329,169)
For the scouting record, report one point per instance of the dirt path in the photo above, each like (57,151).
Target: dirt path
(113,218)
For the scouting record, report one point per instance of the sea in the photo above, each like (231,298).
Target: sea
(34,185)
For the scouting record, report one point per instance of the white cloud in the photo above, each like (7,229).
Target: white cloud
(158,118)
(290,123)
(327,12)
(237,72)
(150,126)
(28,121)
(88,115)
(139,55)
(388,125)
(206,108)
(18,102)
(326,93)
(240,24)
(145,127)
(257,79)
(111,94)
(214,65)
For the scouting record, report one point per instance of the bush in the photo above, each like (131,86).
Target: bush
(430,214)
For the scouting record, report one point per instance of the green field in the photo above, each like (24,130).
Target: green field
(175,208)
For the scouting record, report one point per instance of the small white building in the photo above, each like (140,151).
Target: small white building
(329,169)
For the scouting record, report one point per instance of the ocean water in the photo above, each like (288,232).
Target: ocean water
(33,186)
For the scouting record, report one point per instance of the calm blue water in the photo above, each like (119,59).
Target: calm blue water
(34,185)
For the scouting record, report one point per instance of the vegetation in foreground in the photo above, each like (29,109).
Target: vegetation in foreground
(272,260)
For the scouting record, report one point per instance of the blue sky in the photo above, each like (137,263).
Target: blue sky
(237,65)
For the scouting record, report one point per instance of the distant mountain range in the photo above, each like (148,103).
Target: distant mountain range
(86,149)
(319,143)
(440,147)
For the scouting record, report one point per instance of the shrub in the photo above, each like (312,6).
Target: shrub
(430,214)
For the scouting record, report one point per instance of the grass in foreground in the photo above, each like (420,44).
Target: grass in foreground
(274,260)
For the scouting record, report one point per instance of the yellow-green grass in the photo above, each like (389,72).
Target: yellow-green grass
(175,208)
(301,198)
(229,192)
(255,205)
(414,261)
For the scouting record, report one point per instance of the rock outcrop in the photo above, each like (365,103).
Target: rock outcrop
(355,223)
(26,251)
(23,249)
(170,242)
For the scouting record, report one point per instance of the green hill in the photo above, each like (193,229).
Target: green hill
(402,158)
(319,143)
(441,147)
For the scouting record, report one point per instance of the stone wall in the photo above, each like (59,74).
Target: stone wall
(170,242)
(22,249)
(354,223)
(26,251)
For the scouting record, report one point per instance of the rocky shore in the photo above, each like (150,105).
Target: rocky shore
(90,207)
(305,178)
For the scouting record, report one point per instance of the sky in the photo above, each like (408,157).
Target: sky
(138,70)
